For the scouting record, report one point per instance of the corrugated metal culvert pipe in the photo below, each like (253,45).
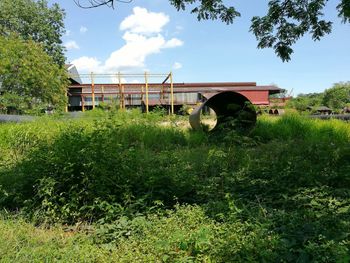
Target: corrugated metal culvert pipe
(233,111)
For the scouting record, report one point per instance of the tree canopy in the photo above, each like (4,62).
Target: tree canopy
(28,76)
(303,102)
(36,21)
(338,96)
(284,24)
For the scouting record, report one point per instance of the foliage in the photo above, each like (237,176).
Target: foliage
(157,193)
(338,96)
(186,109)
(284,24)
(29,76)
(13,103)
(303,102)
(187,234)
(287,21)
(111,105)
(209,10)
(159,110)
(34,20)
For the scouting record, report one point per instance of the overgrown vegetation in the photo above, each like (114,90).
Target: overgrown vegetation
(336,98)
(127,188)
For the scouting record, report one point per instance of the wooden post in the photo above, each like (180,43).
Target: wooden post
(93,90)
(146,83)
(67,100)
(123,94)
(82,103)
(120,92)
(171,93)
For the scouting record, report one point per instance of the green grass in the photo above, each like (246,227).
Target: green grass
(22,242)
(294,126)
(149,192)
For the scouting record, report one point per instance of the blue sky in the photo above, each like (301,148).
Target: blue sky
(153,36)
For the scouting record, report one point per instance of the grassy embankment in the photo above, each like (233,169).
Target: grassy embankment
(124,188)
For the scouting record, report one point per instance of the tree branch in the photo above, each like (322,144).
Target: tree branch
(96,3)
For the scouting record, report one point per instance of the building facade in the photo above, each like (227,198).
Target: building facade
(83,96)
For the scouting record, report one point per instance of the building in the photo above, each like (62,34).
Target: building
(165,94)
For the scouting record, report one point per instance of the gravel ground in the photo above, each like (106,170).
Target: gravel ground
(15,118)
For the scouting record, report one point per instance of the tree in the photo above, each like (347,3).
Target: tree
(284,24)
(338,96)
(335,98)
(303,102)
(36,21)
(28,75)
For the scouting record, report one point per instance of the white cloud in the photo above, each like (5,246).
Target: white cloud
(144,22)
(174,42)
(71,45)
(142,38)
(133,54)
(87,64)
(83,29)
(115,79)
(177,65)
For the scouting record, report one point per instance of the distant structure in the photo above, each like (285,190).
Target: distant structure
(147,95)
(74,76)
(323,110)
(346,110)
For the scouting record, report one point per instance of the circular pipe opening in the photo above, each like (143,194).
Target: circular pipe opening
(233,110)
